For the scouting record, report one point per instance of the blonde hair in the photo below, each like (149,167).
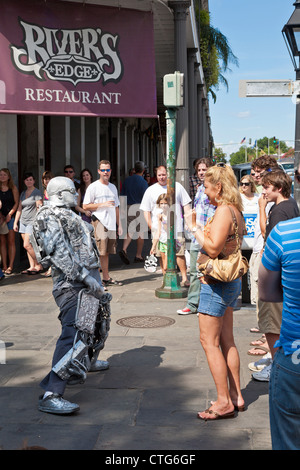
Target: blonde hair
(229,193)
(248,179)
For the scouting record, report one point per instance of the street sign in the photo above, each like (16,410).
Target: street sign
(277,88)
(268,88)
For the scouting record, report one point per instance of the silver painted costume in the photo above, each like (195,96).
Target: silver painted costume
(64,242)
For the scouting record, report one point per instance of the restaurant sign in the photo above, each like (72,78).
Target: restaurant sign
(76,59)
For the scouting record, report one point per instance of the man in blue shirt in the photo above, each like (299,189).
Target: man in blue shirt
(133,188)
(279,281)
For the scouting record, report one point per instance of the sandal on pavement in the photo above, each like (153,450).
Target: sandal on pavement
(260,351)
(254,330)
(139,260)
(259,342)
(8,271)
(124,257)
(111,282)
(240,408)
(33,271)
(216,415)
(47,273)
(236,407)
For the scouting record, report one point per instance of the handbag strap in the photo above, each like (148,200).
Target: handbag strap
(235,229)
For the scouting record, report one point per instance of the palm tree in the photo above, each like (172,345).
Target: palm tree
(216,53)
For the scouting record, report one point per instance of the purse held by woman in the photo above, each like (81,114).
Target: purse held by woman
(228,268)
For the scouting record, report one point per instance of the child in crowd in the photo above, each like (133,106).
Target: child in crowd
(160,237)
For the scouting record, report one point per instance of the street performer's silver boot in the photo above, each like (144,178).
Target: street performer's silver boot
(56,404)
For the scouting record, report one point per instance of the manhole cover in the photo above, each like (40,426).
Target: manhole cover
(145,321)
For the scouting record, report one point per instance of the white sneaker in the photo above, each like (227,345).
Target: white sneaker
(261,364)
(263,375)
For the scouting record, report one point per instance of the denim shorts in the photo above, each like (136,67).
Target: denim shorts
(10,224)
(215,298)
(25,228)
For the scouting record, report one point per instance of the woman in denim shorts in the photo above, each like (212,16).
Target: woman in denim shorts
(217,299)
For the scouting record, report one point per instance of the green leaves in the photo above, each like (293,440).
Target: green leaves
(216,53)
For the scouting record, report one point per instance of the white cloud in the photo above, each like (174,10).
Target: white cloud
(244,114)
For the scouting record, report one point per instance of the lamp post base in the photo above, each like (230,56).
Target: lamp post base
(171,287)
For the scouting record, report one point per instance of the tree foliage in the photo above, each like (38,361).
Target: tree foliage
(219,155)
(216,54)
(264,146)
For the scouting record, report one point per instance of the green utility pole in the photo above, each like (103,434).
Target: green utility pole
(170,288)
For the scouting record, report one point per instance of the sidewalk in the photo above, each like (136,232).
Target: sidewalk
(157,381)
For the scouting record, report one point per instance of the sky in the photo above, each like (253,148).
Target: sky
(253,30)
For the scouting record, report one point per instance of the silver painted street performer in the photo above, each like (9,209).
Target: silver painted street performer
(62,240)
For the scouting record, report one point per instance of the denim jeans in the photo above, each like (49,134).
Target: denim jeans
(284,401)
(67,303)
(194,289)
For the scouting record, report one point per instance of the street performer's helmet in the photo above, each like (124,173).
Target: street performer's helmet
(62,192)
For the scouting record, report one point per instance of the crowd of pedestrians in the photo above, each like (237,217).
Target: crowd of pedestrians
(209,221)
(18,209)
(274,271)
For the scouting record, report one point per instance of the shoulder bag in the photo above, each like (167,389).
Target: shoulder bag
(228,268)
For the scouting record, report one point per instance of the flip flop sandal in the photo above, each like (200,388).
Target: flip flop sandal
(139,260)
(111,282)
(216,415)
(184,284)
(254,330)
(258,348)
(259,342)
(236,407)
(124,257)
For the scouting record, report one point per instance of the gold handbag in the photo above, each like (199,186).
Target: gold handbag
(227,268)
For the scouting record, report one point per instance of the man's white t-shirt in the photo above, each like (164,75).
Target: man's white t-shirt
(258,243)
(151,195)
(99,192)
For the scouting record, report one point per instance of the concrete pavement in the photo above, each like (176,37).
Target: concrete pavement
(157,381)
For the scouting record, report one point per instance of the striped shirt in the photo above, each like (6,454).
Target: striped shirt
(282,253)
